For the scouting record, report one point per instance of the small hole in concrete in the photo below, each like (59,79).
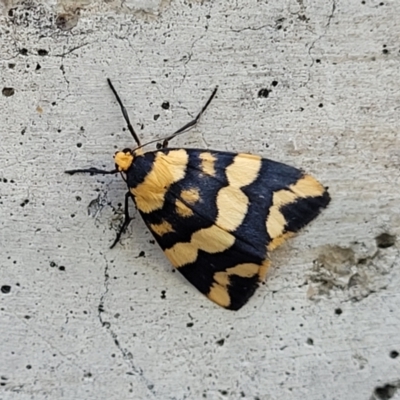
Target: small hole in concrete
(264,93)
(8,91)
(385,240)
(385,392)
(5,289)
(61,21)
(394,354)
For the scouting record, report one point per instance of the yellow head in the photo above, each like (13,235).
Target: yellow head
(125,158)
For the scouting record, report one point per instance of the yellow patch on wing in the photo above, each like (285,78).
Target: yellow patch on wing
(278,241)
(218,294)
(232,203)
(264,269)
(276,222)
(244,170)
(212,240)
(162,228)
(222,278)
(245,270)
(190,196)
(167,169)
(232,206)
(306,186)
(219,291)
(207,163)
(283,197)
(182,209)
(181,253)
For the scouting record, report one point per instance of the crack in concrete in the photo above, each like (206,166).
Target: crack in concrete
(62,69)
(126,355)
(190,53)
(249,28)
(67,357)
(331,14)
(204,140)
(71,50)
(330,17)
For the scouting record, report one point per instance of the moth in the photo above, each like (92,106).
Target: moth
(217,215)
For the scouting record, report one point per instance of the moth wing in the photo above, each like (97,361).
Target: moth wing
(219,220)
(293,200)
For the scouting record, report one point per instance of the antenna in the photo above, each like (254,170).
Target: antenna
(125,114)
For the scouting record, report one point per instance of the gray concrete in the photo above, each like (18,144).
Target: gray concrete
(81,321)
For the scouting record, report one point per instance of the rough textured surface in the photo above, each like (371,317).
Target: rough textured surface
(311,83)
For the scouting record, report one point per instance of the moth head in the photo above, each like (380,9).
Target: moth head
(123,159)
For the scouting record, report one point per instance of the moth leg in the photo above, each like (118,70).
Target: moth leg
(191,123)
(92,171)
(127,219)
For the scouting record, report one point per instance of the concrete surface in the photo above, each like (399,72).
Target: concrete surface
(313,83)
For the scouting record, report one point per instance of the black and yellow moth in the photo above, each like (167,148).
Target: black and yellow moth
(215,214)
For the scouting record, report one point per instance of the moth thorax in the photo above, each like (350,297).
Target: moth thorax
(123,160)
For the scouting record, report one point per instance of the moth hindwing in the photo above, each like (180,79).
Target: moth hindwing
(215,214)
